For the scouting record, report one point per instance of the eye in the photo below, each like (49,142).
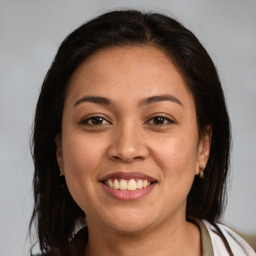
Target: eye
(95,120)
(160,120)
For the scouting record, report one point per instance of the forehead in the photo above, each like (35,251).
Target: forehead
(139,71)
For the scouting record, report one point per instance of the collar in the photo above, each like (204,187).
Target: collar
(206,243)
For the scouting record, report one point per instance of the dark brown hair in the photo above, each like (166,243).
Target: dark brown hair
(55,212)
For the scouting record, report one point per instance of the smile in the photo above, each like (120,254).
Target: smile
(128,186)
(131,184)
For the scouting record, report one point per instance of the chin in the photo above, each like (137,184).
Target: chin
(130,228)
(128,222)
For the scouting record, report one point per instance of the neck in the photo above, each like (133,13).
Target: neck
(171,239)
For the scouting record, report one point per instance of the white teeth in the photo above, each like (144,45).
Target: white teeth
(110,183)
(123,184)
(131,185)
(139,184)
(145,183)
(116,184)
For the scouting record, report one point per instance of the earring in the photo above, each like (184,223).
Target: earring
(201,171)
(62,180)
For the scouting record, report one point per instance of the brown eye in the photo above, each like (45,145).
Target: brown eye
(95,120)
(160,120)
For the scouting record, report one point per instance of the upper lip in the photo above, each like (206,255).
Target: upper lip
(127,176)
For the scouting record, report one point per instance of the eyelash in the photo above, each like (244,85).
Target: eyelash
(151,121)
(166,121)
(89,120)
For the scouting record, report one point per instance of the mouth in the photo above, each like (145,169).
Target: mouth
(131,184)
(128,186)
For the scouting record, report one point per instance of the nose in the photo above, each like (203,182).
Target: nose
(127,145)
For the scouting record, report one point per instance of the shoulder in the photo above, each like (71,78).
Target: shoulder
(224,238)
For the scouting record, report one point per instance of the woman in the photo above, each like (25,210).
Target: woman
(131,139)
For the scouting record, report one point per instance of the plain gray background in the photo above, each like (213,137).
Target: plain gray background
(30,33)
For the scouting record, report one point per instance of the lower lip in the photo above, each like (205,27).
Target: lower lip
(128,195)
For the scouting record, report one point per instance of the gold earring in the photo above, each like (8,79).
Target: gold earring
(201,171)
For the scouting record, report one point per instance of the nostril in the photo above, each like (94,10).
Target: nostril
(126,158)
(138,157)
(127,149)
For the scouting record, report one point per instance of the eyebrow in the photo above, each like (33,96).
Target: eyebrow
(154,99)
(147,101)
(93,99)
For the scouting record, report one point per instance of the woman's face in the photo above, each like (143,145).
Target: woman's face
(129,147)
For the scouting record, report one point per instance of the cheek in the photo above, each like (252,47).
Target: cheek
(81,157)
(177,161)
(177,157)
(81,154)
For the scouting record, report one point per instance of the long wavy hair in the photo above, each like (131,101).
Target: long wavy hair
(55,213)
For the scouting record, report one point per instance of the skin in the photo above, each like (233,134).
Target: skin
(128,138)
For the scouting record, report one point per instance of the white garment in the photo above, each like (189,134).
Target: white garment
(237,244)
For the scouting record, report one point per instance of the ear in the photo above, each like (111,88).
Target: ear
(204,147)
(59,152)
